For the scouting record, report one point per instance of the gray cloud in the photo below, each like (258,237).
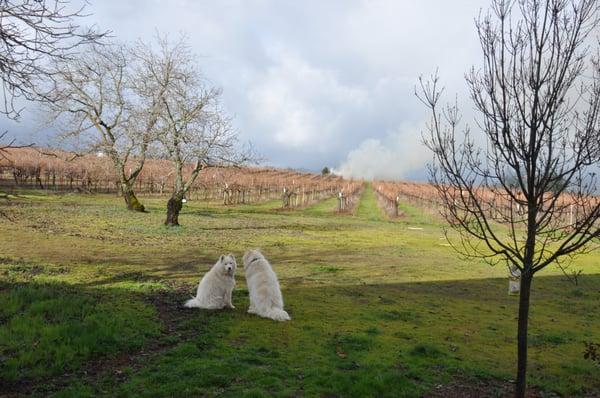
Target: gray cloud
(317,83)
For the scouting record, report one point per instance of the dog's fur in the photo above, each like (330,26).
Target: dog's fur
(263,287)
(215,288)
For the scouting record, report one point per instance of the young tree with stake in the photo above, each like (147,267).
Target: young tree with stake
(538,99)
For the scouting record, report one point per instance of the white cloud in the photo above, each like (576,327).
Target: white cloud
(301,105)
(315,83)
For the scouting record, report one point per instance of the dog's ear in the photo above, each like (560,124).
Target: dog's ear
(230,255)
(221,258)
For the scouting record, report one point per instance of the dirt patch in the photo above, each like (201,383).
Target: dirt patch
(169,305)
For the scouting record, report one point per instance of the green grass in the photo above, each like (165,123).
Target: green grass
(55,328)
(367,208)
(419,217)
(91,294)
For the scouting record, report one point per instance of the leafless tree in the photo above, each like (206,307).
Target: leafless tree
(193,131)
(94,98)
(512,198)
(4,155)
(33,32)
(4,147)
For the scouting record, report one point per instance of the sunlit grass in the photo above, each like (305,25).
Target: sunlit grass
(380,307)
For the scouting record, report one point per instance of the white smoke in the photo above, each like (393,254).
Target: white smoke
(392,158)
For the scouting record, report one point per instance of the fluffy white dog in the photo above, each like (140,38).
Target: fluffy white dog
(263,287)
(215,288)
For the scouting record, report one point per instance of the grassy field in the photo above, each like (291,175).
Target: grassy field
(91,294)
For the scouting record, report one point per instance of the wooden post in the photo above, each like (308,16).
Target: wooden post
(285,198)
(342,202)
(571,216)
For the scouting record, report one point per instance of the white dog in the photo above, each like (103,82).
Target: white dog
(215,288)
(263,287)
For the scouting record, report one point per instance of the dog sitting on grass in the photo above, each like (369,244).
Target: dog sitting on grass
(263,287)
(215,288)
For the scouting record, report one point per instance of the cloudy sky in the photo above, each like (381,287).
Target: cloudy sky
(315,83)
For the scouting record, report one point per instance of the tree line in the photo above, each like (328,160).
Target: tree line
(93,173)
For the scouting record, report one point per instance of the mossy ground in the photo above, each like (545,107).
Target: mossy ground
(90,298)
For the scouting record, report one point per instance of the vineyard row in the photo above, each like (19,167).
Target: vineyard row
(57,171)
(495,203)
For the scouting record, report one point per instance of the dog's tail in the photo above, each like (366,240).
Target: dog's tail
(277,314)
(191,303)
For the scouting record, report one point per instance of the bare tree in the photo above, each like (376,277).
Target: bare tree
(193,131)
(4,155)
(537,95)
(33,32)
(94,99)
(6,146)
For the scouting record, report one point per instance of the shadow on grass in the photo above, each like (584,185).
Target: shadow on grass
(388,340)
(53,333)
(354,340)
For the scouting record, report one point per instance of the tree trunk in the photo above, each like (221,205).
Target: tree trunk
(131,200)
(174,206)
(526,279)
